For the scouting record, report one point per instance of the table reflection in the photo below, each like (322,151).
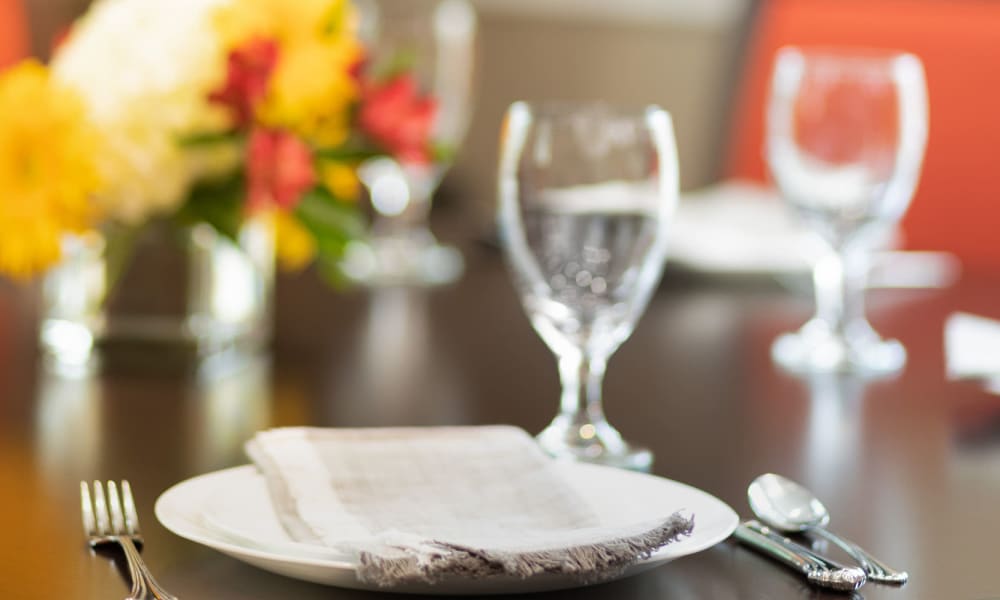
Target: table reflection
(226,411)
(399,375)
(69,425)
(833,440)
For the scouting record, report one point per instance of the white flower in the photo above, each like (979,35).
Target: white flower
(145,69)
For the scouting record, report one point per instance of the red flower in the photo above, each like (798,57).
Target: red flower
(248,72)
(279,169)
(395,116)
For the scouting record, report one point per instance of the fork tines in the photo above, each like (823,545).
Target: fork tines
(109,515)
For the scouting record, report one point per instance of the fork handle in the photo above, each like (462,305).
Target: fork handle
(144,587)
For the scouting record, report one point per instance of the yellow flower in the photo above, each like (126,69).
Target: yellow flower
(47,169)
(294,245)
(287,22)
(341,179)
(311,89)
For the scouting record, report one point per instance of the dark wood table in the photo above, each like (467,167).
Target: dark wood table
(909,467)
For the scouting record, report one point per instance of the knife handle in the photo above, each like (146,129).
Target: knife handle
(816,559)
(773,549)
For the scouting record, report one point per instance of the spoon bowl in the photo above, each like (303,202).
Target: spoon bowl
(785,505)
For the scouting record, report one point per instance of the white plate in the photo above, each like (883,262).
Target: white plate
(230,511)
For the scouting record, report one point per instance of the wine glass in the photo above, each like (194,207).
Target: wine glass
(432,41)
(846,131)
(586,193)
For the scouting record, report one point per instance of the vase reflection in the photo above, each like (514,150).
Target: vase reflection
(214,415)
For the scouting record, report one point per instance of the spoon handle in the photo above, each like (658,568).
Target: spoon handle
(874,568)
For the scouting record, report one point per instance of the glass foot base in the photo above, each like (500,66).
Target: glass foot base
(593,443)
(388,261)
(815,349)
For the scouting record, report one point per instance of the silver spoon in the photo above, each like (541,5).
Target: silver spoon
(787,506)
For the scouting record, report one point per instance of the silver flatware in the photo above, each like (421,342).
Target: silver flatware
(787,506)
(818,570)
(113,520)
(818,559)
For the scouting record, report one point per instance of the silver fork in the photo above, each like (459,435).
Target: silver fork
(105,522)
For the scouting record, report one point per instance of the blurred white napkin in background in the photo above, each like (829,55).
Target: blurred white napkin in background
(738,227)
(972,346)
(421,504)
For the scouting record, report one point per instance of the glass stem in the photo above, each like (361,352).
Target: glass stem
(839,278)
(582,379)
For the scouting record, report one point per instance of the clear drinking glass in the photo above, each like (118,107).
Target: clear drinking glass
(846,131)
(435,41)
(586,193)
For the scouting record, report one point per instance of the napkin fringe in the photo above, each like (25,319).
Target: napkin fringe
(590,563)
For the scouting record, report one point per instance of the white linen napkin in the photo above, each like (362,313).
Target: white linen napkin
(420,504)
(741,227)
(972,346)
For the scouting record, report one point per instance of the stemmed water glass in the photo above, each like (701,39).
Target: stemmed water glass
(434,41)
(846,131)
(586,193)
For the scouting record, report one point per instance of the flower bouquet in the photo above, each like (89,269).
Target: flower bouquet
(239,122)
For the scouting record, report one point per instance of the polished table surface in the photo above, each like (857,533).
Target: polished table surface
(909,466)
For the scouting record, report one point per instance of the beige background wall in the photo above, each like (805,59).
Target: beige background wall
(688,68)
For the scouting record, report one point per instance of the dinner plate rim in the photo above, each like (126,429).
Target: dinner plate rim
(181,525)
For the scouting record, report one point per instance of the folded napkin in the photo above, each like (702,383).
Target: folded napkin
(420,504)
(971,346)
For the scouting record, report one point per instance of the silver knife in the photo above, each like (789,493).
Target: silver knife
(819,571)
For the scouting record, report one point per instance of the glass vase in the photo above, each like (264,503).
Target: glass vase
(159,295)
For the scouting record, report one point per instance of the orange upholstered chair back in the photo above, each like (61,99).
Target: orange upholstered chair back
(957,204)
(13,32)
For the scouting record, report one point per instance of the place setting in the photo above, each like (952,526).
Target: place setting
(461,510)
(238,347)
(464,510)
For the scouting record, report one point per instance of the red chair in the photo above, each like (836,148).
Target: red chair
(14,43)
(957,204)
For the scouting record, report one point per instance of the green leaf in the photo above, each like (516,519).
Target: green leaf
(209,138)
(330,271)
(333,224)
(119,243)
(402,61)
(218,202)
(442,152)
(327,217)
(347,153)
